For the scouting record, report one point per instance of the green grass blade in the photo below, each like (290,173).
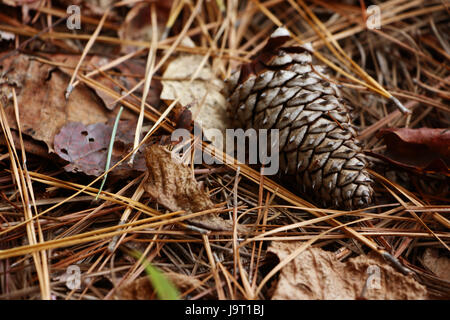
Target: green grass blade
(111,145)
(164,288)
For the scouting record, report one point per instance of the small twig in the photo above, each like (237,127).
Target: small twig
(91,41)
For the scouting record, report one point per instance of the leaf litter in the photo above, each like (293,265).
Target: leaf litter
(191,79)
(407,56)
(172,184)
(424,150)
(40,95)
(316,274)
(85,147)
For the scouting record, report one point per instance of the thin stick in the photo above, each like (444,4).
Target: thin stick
(149,69)
(85,51)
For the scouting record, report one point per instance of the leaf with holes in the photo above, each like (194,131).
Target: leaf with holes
(85,147)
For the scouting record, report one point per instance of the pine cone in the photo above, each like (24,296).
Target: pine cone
(282,89)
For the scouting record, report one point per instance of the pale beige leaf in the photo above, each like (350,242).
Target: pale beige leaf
(210,107)
(317,274)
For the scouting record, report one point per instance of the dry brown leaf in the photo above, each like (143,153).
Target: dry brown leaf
(209,112)
(43,108)
(141,288)
(86,147)
(439,265)
(423,150)
(126,77)
(173,185)
(316,274)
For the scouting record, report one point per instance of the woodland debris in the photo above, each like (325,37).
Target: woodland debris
(282,89)
(316,274)
(423,150)
(209,105)
(142,289)
(85,147)
(437,263)
(43,109)
(173,185)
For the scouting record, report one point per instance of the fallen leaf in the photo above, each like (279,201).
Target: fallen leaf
(210,106)
(438,264)
(43,108)
(182,117)
(173,185)
(86,147)
(316,274)
(126,75)
(424,150)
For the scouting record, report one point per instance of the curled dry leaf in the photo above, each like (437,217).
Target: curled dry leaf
(86,147)
(173,185)
(141,288)
(43,108)
(317,274)
(438,264)
(209,106)
(424,150)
